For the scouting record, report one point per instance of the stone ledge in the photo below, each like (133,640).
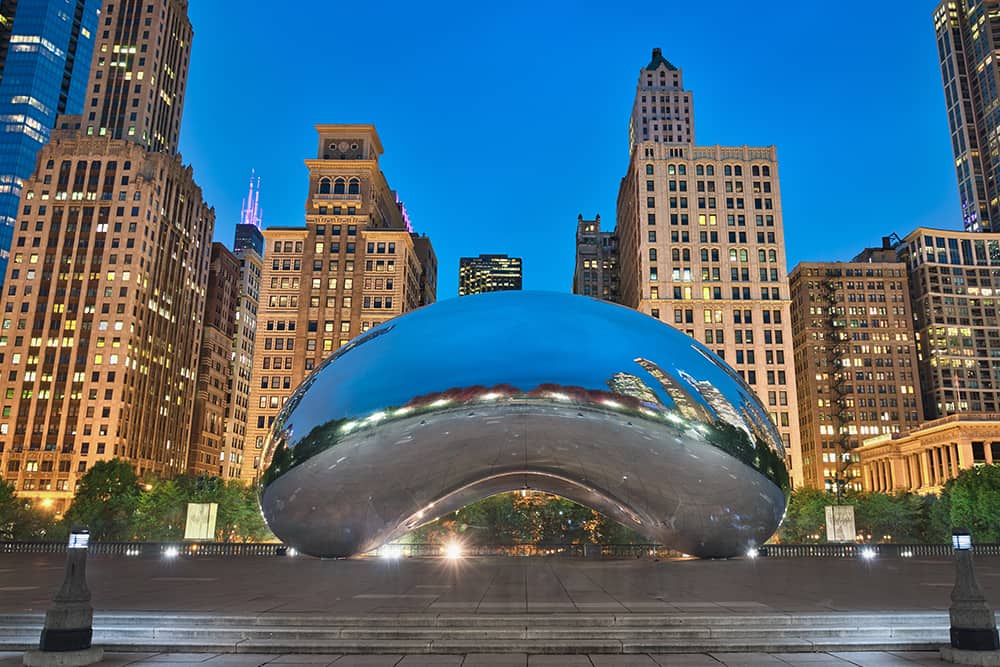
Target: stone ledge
(89,656)
(975,658)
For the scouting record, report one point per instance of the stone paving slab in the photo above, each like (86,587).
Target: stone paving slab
(493,585)
(841,659)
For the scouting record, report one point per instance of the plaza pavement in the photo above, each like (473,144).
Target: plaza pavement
(303,585)
(846,659)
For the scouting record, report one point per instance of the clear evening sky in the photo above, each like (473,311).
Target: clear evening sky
(502,121)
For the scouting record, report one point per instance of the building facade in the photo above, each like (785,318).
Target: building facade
(923,459)
(102,311)
(968,38)
(701,247)
(488,273)
(954,280)
(208,453)
(45,54)
(596,272)
(855,363)
(355,264)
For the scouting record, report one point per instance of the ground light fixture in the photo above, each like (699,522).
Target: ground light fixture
(171,552)
(868,553)
(453,551)
(752,553)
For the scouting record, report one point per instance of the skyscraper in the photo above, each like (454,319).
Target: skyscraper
(855,363)
(208,453)
(596,272)
(701,243)
(968,39)
(45,53)
(354,264)
(488,273)
(953,278)
(102,315)
(248,234)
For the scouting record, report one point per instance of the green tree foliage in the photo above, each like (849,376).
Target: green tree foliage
(881,517)
(805,518)
(162,511)
(107,497)
(19,520)
(974,502)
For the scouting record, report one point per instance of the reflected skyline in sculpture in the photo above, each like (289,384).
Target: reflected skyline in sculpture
(564,394)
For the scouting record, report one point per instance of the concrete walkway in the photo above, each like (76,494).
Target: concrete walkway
(868,659)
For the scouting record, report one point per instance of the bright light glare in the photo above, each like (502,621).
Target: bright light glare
(441,401)
(453,551)
(171,552)
(391,551)
(132,552)
(559,397)
(492,396)
(752,553)
(291,552)
(674,418)
(906,554)
(611,404)
(402,411)
(376,416)
(868,553)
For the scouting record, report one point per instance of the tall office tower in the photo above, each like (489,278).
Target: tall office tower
(968,40)
(244,341)
(488,273)
(954,278)
(248,234)
(596,272)
(102,313)
(701,246)
(855,363)
(208,451)
(353,265)
(45,52)
(663,112)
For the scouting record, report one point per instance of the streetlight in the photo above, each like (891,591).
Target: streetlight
(973,623)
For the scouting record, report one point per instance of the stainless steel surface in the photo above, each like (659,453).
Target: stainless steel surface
(524,390)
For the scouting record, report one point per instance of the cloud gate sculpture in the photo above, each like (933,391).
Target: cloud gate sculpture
(483,394)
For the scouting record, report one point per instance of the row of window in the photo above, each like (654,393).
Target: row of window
(759,203)
(709,170)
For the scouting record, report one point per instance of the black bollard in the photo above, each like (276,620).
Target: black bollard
(69,622)
(974,638)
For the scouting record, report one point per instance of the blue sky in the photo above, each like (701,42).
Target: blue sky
(502,121)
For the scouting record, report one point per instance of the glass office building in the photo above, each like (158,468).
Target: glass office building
(48,52)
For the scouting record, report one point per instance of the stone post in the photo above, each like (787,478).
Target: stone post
(974,638)
(69,622)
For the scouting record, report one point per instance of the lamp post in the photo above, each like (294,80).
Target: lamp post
(69,622)
(974,638)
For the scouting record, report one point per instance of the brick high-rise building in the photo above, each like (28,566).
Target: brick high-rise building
(968,40)
(488,273)
(355,264)
(207,453)
(596,272)
(954,281)
(102,312)
(244,342)
(855,363)
(701,245)
(45,52)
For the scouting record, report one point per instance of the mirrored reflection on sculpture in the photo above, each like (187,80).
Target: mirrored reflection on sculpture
(497,392)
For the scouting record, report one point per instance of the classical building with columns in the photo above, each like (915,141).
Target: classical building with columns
(924,459)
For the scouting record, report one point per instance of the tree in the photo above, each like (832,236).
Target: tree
(19,520)
(887,518)
(974,502)
(161,512)
(106,501)
(805,518)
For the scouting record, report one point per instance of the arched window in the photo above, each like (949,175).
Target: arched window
(649,169)
(710,170)
(354,187)
(324,186)
(652,254)
(682,170)
(686,255)
(756,170)
(732,255)
(675,255)
(715,254)
(699,170)
(761,256)
(772,256)
(704,254)
(744,256)
(338,186)
(766,170)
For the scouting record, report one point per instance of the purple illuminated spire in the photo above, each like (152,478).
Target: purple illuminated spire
(251,212)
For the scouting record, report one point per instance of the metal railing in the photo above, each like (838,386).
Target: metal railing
(435,550)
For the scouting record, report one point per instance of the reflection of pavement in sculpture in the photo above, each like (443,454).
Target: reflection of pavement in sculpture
(505,391)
